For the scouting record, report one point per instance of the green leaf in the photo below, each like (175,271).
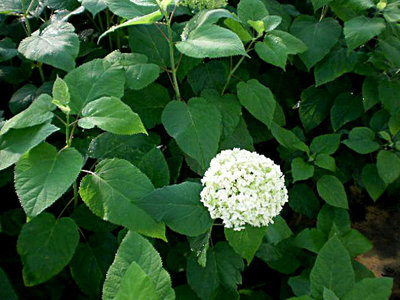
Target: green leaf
(210,75)
(301,170)
(335,65)
(373,183)
(111,114)
(325,144)
(46,246)
(93,80)
(240,138)
(389,93)
(278,231)
(293,44)
(56,45)
(362,140)
(40,111)
(258,100)
(91,261)
(319,37)
(356,243)
(333,220)
(390,47)
(303,200)
(179,207)
(325,161)
(272,50)
(12,6)
(221,271)
(371,289)
(228,106)
(6,290)
(211,41)
(199,246)
(129,10)
(361,29)
(332,270)
(94,6)
(245,242)
(317,4)
(239,29)
(150,18)
(61,96)
(135,284)
(314,107)
(44,174)
(154,165)
(196,127)
(16,142)
(112,193)
(149,41)
(138,73)
(251,10)
(85,219)
(332,191)
(288,139)
(388,164)
(148,103)
(7,49)
(311,239)
(346,108)
(370,92)
(135,248)
(329,295)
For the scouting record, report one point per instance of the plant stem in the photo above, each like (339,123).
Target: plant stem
(236,67)
(108,26)
(67,139)
(39,65)
(168,18)
(75,188)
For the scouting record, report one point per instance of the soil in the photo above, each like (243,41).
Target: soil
(382,226)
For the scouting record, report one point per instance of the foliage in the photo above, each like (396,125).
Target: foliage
(117,107)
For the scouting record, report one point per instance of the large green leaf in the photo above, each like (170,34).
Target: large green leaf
(112,193)
(362,140)
(287,138)
(258,100)
(332,191)
(148,103)
(135,248)
(371,289)
(155,166)
(93,80)
(293,45)
(346,108)
(301,170)
(7,49)
(94,6)
(247,241)
(56,45)
(37,113)
(388,164)
(314,106)
(17,6)
(253,10)
(211,41)
(221,271)
(44,174)
(179,207)
(16,142)
(272,50)
(361,29)
(131,9)
(91,261)
(332,270)
(46,246)
(196,127)
(138,72)
(389,93)
(333,220)
(135,284)
(319,37)
(325,144)
(335,65)
(373,183)
(303,200)
(111,114)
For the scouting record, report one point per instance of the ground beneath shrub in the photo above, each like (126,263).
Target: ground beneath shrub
(382,226)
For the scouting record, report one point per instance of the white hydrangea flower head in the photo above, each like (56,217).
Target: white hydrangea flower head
(243,187)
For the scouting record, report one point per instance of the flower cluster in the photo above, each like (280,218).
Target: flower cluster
(198,5)
(243,187)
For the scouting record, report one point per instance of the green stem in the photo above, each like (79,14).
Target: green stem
(75,188)
(108,26)
(41,72)
(236,67)
(168,18)
(67,137)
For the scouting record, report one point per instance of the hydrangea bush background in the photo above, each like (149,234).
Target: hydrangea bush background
(112,111)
